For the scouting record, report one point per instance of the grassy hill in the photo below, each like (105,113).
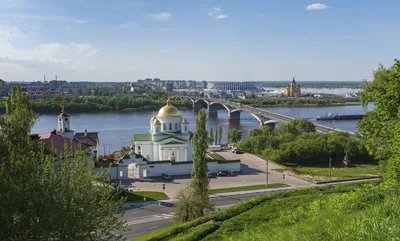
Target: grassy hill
(357,211)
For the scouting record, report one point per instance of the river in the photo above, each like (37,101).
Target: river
(116,129)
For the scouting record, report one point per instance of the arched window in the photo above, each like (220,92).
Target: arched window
(164,127)
(176,126)
(185,128)
(157,130)
(170,126)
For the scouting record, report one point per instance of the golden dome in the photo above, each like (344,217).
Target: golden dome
(185,121)
(157,121)
(153,119)
(168,111)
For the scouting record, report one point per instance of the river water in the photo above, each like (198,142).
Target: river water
(116,129)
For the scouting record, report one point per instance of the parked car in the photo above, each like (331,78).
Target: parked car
(238,151)
(210,175)
(234,149)
(224,173)
(166,176)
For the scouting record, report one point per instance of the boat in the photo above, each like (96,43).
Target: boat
(328,116)
(331,116)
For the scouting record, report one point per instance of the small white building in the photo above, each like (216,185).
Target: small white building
(167,148)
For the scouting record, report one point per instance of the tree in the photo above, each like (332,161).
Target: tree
(49,197)
(219,134)
(380,128)
(216,137)
(193,200)
(297,127)
(234,135)
(211,136)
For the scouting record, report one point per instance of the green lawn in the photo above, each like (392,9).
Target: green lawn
(340,173)
(215,156)
(150,196)
(247,188)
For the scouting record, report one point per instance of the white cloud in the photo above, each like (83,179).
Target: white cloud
(53,53)
(8,32)
(160,16)
(221,16)
(316,6)
(216,12)
(81,21)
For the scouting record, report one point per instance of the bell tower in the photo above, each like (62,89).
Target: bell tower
(64,125)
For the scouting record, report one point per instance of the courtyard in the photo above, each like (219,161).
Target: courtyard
(253,172)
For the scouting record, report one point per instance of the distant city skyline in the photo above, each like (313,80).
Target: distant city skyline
(226,40)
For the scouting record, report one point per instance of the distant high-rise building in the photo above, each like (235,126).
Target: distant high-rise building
(169,86)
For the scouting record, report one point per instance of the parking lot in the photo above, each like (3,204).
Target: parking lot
(253,172)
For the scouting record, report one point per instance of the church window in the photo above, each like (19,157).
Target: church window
(170,126)
(157,130)
(164,127)
(176,126)
(185,128)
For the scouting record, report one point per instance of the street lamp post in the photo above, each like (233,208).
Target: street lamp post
(266,173)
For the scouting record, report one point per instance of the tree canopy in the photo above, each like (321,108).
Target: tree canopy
(234,135)
(50,197)
(380,128)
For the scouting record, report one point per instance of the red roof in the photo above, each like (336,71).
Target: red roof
(54,139)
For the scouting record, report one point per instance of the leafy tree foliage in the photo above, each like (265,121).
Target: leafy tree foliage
(49,197)
(100,103)
(219,134)
(211,136)
(297,127)
(234,135)
(193,200)
(380,129)
(306,148)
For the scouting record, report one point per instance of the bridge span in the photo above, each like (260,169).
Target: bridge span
(264,117)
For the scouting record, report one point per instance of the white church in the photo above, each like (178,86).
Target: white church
(167,148)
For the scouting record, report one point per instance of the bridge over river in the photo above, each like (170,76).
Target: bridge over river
(264,117)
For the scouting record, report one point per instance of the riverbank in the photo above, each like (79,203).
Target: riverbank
(77,105)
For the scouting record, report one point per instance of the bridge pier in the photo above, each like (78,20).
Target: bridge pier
(197,105)
(271,125)
(234,115)
(212,108)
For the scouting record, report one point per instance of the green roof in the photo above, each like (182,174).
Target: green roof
(162,142)
(142,137)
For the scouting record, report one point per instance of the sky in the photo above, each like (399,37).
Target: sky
(226,40)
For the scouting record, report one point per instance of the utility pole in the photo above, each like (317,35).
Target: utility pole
(266,173)
(330,169)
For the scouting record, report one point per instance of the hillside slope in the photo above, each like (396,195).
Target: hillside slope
(280,216)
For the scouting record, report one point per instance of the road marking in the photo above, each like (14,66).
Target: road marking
(148,219)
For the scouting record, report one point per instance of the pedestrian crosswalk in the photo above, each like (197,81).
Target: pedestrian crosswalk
(151,218)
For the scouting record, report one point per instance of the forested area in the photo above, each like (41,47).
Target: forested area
(74,104)
(297,143)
